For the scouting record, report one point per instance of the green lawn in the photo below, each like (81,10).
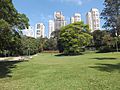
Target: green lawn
(49,72)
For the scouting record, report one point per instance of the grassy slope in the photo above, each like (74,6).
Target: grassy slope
(49,72)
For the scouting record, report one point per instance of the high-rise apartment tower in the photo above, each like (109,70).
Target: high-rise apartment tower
(40,30)
(93,19)
(75,18)
(51,28)
(59,20)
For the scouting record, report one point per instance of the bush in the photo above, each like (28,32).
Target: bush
(105,49)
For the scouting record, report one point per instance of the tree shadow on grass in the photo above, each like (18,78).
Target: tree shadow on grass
(6,66)
(62,55)
(105,58)
(107,67)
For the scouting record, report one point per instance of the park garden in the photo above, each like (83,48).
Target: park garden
(73,59)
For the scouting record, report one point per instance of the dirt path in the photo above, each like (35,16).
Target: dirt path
(14,58)
(19,58)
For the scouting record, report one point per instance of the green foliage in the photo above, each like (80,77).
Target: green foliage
(111,14)
(73,37)
(97,37)
(10,22)
(9,41)
(11,15)
(22,21)
(50,44)
(103,40)
(4,25)
(15,46)
(29,46)
(46,44)
(56,34)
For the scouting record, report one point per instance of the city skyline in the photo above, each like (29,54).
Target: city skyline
(42,11)
(59,20)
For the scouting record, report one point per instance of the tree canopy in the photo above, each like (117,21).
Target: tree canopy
(111,14)
(73,38)
(10,22)
(12,16)
(103,41)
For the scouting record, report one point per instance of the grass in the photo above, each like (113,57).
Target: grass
(49,72)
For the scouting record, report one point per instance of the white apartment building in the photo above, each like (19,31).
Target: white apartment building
(39,30)
(50,28)
(29,32)
(75,18)
(59,20)
(89,20)
(93,19)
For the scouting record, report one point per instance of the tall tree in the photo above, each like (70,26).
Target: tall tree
(11,15)
(4,34)
(73,37)
(103,40)
(111,14)
(10,21)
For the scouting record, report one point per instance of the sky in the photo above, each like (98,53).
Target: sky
(41,11)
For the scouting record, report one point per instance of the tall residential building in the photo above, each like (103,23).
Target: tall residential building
(40,30)
(93,19)
(51,27)
(29,32)
(89,20)
(76,18)
(59,20)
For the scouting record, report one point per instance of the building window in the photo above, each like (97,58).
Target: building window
(97,25)
(38,26)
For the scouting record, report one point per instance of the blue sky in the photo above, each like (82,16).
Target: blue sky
(43,10)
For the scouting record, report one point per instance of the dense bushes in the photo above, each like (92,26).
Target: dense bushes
(21,46)
(12,43)
(50,44)
(29,46)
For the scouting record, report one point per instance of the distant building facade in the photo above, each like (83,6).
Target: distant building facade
(93,19)
(59,20)
(51,28)
(39,30)
(75,18)
(29,32)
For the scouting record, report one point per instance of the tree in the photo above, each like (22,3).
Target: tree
(10,41)
(56,34)
(4,32)
(98,37)
(111,14)
(103,40)
(46,44)
(29,46)
(50,44)
(11,15)
(73,38)
(10,23)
